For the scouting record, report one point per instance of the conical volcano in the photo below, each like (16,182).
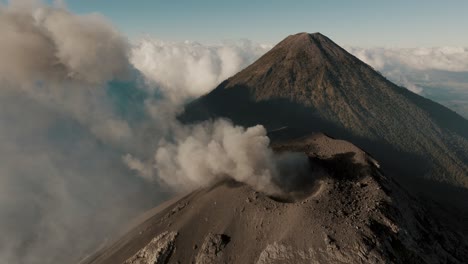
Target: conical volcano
(308,83)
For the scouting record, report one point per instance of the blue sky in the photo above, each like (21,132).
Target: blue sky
(360,23)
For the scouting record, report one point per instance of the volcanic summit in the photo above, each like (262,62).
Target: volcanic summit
(355,214)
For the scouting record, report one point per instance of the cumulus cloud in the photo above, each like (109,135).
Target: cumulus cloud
(189,69)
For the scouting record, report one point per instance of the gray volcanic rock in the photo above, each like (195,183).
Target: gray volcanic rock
(211,250)
(158,250)
(308,83)
(354,214)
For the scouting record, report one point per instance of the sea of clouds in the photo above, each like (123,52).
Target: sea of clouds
(402,64)
(438,73)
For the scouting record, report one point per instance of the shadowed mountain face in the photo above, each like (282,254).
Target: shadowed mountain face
(308,83)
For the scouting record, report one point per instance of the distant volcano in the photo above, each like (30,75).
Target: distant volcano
(308,83)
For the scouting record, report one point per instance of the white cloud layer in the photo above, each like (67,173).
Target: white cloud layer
(189,69)
(410,67)
(453,59)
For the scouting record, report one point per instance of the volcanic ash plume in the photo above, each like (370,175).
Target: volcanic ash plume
(204,153)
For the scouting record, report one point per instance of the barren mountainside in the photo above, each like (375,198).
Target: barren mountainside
(308,83)
(353,214)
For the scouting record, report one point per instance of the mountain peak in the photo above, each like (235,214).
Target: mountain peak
(306,46)
(304,36)
(308,82)
(311,42)
(312,56)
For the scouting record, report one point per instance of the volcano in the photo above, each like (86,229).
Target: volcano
(355,214)
(354,210)
(308,83)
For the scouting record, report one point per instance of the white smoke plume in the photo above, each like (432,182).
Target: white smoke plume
(202,154)
(214,150)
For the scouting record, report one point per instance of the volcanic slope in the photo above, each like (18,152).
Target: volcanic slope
(308,83)
(354,214)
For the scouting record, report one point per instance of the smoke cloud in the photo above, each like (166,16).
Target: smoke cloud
(202,154)
(216,149)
